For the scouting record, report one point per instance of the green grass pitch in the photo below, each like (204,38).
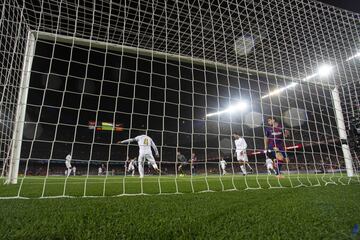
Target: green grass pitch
(292,212)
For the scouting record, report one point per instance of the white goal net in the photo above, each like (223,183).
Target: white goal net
(235,95)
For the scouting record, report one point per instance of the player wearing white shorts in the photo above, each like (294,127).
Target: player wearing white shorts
(145,144)
(223,166)
(241,156)
(131,167)
(269,165)
(68,164)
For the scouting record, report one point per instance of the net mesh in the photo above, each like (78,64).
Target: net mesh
(76,78)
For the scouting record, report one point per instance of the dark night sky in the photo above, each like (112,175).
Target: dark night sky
(351,5)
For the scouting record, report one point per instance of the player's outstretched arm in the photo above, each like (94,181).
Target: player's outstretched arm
(127,140)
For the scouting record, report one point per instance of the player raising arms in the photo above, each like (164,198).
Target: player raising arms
(145,144)
(241,156)
(274,142)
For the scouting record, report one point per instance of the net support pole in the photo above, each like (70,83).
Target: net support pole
(342,131)
(12,177)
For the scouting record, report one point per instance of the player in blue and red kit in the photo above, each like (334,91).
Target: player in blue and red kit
(274,141)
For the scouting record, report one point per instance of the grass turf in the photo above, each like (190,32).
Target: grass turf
(289,213)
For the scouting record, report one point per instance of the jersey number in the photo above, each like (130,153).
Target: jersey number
(146,141)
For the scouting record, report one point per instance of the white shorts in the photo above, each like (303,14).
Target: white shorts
(131,167)
(68,165)
(269,166)
(242,156)
(149,158)
(223,167)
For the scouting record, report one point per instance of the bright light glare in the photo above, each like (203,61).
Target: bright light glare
(239,107)
(310,77)
(352,57)
(279,90)
(325,70)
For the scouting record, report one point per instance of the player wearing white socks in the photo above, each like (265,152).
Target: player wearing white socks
(131,167)
(269,165)
(145,144)
(68,164)
(223,166)
(241,156)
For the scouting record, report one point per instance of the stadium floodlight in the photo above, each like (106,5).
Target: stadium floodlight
(239,107)
(325,70)
(354,56)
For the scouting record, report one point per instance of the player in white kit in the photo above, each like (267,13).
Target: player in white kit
(100,171)
(68,164)
(241,156)
(223,166)
(269,165)
(145,144)
(131,167)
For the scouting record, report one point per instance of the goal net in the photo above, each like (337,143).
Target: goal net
(235,95)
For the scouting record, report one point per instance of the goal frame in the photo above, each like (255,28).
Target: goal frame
(33,36)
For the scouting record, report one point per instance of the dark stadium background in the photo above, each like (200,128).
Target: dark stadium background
(61,71)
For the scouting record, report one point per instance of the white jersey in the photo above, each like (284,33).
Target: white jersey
(68,161)
(145,144)
(100,170)
(269,162)
(240,144)
(223,164)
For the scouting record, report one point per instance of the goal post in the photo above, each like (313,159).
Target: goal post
(16,142)
(342,131)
